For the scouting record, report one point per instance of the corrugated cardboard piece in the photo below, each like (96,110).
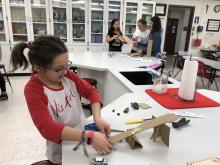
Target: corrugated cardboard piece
(161,129)
(144,105)
(133,142)
(209,161)
(128,40)
(149,48)
(161,133)
(134,54)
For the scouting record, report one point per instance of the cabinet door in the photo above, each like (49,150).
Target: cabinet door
(17,20)
(130,18)
(78,22)
(59,19)
(3,24)
(39,18)
(96,21)
(114,11)
(148,10)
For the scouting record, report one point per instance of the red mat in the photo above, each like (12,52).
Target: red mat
(171,100)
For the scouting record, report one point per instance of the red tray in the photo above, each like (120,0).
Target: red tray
(170,100)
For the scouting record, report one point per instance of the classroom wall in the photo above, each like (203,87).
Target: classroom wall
(208,38)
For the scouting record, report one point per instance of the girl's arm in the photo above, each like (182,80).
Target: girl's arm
(109,39)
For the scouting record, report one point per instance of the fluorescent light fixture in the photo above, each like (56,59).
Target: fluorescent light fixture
(63,1)
(78,2)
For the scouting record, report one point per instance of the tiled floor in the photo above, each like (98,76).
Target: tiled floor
(20,142)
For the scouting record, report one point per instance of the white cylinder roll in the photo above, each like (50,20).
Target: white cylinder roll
(188,80)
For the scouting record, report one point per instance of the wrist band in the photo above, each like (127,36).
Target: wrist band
(90,137)
(83,136)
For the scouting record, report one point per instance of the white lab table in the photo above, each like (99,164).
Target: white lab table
(198,140)
(106,70)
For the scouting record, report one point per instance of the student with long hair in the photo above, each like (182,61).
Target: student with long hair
(156,35)
(52,96)
(115,37)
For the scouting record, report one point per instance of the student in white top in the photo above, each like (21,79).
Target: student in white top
(140,36)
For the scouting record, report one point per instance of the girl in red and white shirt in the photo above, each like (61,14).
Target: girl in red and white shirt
(52,95)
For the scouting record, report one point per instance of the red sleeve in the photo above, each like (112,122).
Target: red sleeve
(84,88)
(37,105)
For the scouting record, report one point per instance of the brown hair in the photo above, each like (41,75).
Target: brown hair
(156,24)
(142,21)
(42,51)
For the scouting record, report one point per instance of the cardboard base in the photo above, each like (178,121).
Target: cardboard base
(209,161)
(161,133)
(133,142)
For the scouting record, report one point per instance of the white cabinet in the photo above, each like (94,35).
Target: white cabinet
(96,21)
(27,19)
(4,36)
(134,10)
(81,24)
(148,9)
(39,18)
(78,21)
(60,21)
(115,11)
(18,20)
(130,18)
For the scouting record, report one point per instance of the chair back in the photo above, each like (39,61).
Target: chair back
(180,62)
(210,56)
(202,70)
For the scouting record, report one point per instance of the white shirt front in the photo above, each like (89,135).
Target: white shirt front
(64,106)
(141,37)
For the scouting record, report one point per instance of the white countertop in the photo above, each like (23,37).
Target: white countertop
(102,61)
(196,141)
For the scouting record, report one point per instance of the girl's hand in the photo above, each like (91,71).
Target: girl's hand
(134,39)
(103,126)
(115,36)
(135,44)
(101,144)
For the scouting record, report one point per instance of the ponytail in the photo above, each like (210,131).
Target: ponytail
(18,59)
(42,52)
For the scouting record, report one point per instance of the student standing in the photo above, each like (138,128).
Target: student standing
(52,96)
(140,36)
(156,35)
(115,37)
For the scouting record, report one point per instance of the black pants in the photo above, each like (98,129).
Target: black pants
(114,49)
(2,83)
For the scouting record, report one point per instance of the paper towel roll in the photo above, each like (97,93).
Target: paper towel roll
(188,80)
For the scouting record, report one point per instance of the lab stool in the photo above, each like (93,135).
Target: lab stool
(92,82)
(43,162)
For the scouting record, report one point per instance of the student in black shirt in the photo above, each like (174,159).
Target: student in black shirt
(115,37)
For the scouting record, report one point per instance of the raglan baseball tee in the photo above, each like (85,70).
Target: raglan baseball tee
(52,109)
